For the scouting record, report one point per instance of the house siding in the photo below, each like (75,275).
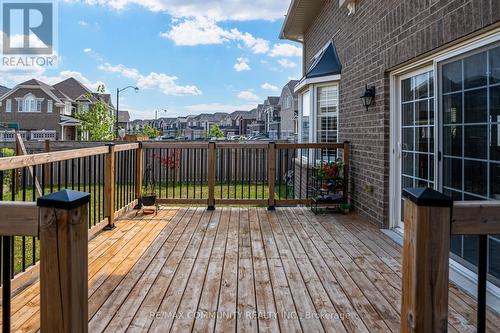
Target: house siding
(31,120)
(381,35)
(287,115)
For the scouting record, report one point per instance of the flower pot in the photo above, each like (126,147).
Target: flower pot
(148,200)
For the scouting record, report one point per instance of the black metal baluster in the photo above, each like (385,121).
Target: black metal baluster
(13,185)
(79,174)
(248,171)
(181,171)
(481,283)
(187,172)
(256,173)
(242,174)
(92,181)
(167,172)
(6,276)
(101,183)
(300,177)
(66,174)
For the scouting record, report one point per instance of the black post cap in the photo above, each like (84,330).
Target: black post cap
(427,197)
(66,199)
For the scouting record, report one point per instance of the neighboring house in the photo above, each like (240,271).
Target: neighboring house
(243,119)
(195,133)
(3,90)
(124,120)
(435,119)
(289,108)
(271,111)
(40,111)
(259,125)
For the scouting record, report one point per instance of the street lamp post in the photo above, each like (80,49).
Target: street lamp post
(118,91)
(156,116)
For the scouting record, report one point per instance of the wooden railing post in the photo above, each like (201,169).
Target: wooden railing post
(139,172)
(271,175)
(109,187)
(211,175)
(426,250)
(64,262)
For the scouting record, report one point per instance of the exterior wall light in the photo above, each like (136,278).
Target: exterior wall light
(368,97)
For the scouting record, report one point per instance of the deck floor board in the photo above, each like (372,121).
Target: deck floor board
(244,270)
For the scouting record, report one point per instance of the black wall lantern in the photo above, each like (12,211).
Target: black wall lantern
(368,97)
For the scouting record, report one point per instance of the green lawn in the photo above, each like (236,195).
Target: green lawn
(198,191)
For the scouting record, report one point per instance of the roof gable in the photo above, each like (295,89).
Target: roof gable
(326,63)
(73,88)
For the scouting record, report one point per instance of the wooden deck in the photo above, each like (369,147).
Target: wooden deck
(244,270)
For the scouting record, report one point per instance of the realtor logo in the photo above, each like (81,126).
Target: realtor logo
(29,33)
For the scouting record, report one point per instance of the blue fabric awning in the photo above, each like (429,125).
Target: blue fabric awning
(327,63)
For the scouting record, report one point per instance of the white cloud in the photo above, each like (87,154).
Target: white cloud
(158,81)
(287,63)
(239,10)
(248,95)
(83,23)
(270,87)
(199,31)
(67,74)
(204,31)
(87,50)
(242,65)
(285,51)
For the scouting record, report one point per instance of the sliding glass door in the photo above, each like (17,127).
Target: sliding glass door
(470,166)
(464,161)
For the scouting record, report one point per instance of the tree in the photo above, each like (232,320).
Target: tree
(215,132)
(151,132)
(97,121)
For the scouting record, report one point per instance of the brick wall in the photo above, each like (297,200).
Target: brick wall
(381,35)
(31,120)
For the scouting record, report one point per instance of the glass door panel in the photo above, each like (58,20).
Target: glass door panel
(416,133)
(470,101)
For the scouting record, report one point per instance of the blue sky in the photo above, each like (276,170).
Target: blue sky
(187,56)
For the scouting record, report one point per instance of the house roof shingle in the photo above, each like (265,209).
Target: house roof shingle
(3,90)
(72,88)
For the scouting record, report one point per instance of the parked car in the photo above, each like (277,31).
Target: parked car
(260,137)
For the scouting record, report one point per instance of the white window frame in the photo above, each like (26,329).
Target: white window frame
(50,106)
(29,104)
(396,150)
(8,105)
(468,279)
(317,87)
(431,62)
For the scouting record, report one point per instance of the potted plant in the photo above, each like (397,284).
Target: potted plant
(345,208)
(148,197)
(332,170)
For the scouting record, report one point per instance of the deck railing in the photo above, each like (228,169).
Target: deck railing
(114,177)
(267,174)
(430,220)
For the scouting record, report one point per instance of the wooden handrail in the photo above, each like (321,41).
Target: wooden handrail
(309,145)
(16,162)
(127,146)
(476,218)
(18,219)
